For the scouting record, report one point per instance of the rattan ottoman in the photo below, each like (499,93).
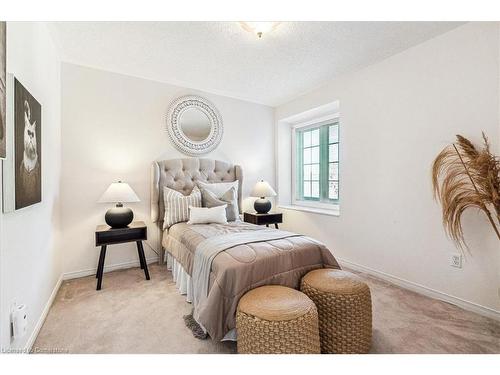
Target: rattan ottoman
(344,307)
(275,319)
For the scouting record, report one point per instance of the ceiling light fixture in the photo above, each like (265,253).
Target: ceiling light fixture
(259,28)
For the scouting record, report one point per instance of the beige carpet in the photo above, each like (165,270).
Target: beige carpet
(132,315)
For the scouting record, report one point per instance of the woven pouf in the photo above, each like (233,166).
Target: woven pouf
(344,307)
(275,319)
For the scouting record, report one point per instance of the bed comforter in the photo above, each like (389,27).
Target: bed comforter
(241,268)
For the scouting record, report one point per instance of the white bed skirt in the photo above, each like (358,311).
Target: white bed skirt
(185,286)
(181,278)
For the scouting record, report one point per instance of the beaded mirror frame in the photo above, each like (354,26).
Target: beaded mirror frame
(174,127)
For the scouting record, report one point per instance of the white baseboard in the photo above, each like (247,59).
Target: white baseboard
(109,268)
(426,291)
(43,316)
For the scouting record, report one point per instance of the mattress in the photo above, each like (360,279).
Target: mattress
(243,267)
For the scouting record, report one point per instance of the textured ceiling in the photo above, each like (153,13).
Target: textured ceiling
(222,58)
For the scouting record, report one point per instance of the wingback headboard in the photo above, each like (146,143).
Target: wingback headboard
(182,174)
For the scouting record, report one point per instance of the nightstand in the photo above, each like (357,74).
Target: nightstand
(137,232)
(263,219)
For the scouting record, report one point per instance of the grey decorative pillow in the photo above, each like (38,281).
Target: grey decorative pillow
(209,199)
(218,188)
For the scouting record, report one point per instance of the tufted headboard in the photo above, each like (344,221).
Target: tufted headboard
(182,174)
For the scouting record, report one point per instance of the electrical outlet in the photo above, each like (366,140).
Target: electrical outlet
(19,321)
(456,260)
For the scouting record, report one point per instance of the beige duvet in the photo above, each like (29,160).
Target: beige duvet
(243,267)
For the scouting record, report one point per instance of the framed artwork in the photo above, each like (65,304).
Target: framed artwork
(28,147)
(3,90)
(22,168)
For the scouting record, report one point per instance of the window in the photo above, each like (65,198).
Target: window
(317,164)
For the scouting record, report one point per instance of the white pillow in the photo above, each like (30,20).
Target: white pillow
(219,188)
(205,215)
(177,205)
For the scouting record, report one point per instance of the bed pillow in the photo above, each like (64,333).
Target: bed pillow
(221,188)
(218,189)
(229,198)
(205,215)
(177,205)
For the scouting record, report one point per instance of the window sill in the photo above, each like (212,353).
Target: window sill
(322,211)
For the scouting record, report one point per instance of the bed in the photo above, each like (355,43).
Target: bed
(247,255)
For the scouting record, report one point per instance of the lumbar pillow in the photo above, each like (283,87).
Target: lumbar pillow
(229,198)
(205,215)
(177,205)
(220,188)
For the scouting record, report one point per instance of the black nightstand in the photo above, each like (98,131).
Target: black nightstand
(136,232)
(263,219)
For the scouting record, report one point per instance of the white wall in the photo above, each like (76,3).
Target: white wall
(113,129)
(395,118)
(30,263)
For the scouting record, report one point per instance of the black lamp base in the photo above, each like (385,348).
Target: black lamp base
(119,216)
(262,205)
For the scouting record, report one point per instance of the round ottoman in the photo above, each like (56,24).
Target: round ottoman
(275,319)
(344,307)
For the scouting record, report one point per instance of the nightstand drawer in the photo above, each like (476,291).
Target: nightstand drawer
(120,235)
(263,219)
(270,219)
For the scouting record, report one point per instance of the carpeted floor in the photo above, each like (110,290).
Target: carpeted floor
(132,315)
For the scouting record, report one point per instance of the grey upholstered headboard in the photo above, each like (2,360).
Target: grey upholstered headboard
(182,174)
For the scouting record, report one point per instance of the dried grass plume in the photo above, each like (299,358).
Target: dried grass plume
(464,177)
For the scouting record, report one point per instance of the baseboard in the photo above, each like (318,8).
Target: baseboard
(109,268)
(426,291)
(43,316)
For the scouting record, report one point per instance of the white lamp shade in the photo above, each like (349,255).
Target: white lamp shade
(262,189)
(119,192)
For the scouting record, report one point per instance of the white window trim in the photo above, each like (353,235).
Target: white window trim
(310,206)
(333,210)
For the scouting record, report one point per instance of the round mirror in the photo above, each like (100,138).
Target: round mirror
(195,124)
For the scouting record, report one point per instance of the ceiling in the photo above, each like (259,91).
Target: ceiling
(222,58)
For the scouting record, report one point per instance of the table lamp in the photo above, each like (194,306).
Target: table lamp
(119,193)
(262,190)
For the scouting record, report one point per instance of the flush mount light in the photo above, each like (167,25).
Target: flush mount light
(259,28)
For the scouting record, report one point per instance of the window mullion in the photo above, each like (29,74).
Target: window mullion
(300,165)
(323,174)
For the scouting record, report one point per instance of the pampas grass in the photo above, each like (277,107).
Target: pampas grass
(464,177)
